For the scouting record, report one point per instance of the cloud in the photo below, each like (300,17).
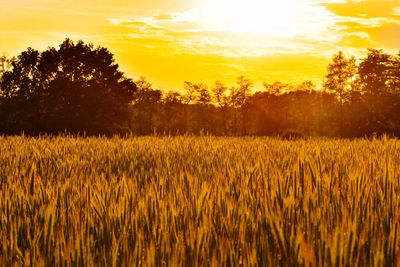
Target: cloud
(176,40)
(396,11)
(356,40)
(386,36)
(168,71)
(365,8)
(367,23)
(163,16)
(380,33)
(199,31)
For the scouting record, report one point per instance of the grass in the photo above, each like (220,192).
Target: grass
(199,201)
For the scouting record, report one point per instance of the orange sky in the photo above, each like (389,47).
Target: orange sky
(204,40)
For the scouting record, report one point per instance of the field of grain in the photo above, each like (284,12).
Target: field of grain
(194,201)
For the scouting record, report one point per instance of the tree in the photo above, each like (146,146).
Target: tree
(174,117)
(219,90)
(204,97)
(4,64)
(374,71)
(196,93)
(306,86)
(146,107)
(76,88)
(221,99)
(191,90)
(19,87)
(304,105)
(339,79)
(197,109)
(240,94)
(277,87)
(238,100)
(379,83)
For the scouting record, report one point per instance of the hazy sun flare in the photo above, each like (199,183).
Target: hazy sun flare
(204,40)
(283,18)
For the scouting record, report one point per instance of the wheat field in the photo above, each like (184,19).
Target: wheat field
(199,201)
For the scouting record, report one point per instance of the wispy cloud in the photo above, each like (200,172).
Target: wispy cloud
(170,41)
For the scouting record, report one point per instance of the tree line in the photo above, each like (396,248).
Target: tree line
(78,88)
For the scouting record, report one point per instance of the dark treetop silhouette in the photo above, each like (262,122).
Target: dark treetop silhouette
(78,89)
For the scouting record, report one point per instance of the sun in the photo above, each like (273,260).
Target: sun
(274,18)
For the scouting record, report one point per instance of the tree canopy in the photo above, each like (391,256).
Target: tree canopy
(78,88)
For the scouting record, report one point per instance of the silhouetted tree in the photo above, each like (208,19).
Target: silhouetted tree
(20,88)
(221,99)
(204,115)
(277,87)
(306,86)
(304,102)
(204,97)
(4,64)
(219,93)
(265,110)
(374,71)
(238,99)
(240,93)
(339,78)
(173,116)
(146,106)
(375,74)
(190,92)
(76,88)
(356,115)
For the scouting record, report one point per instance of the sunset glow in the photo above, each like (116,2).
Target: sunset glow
(276,19)
(173,41)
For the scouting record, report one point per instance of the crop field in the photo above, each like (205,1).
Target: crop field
(199,201)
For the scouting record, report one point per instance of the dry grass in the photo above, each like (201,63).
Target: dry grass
(198,201)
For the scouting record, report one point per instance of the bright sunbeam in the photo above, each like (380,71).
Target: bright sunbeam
(275,18)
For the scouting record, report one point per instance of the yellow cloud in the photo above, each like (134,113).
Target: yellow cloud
(176,40)
(365,8)
(356,40)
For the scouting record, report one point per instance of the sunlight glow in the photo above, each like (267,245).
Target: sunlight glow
(274,18)
(200,40)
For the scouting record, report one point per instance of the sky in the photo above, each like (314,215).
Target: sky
(172,41)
